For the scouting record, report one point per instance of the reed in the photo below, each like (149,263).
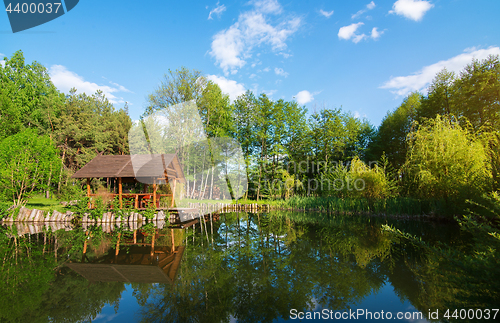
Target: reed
(350,206)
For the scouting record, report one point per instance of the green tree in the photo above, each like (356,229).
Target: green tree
(440,97)
(28,162)
(391,137)
(90,125)
(178,86)
(477,93)
(28,98)
(446,161)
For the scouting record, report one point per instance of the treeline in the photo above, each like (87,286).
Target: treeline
(46,135)
(445,144)
(440,146)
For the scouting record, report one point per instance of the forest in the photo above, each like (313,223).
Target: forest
(437,154)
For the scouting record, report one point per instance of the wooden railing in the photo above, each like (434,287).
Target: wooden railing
(140,200)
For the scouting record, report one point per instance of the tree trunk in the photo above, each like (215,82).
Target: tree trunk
(212,183)
(60,173)
(47,192)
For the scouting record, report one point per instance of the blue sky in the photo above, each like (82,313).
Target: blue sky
(363,56)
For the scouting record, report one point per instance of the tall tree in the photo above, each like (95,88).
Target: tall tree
(477,93)
(27,96)
(440,97)
(88,126)
(391,137)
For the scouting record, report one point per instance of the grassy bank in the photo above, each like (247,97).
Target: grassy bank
(39,202)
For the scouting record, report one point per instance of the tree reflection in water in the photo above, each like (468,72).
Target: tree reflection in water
(253,267)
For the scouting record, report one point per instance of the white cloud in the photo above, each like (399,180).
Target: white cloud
(375,33)
(369,6)
(304,97)
(327,14)
(231,87)
(267,69)
(411,9)
(232,47)
(419,81)
(357,38)
(270,93)
(120,87)
(347,32)
(267,6)
(64,80)
(218,10)
(2,61)
(280,71)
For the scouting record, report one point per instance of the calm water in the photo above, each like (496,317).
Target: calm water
(241,268)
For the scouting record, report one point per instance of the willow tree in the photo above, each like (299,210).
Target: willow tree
(446,161)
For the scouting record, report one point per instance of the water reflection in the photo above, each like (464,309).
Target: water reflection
(136,259)
(243,266)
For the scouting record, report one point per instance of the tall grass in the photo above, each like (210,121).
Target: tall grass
(388,206)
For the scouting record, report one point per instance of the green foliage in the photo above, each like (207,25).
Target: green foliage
(477,92)
(391,137)
(90,125)
(337,136)
(70,192)
(28,99)
(376,183)
(98,208)
(348,206)
(446,161)
(28,162)
(5,209)
(149,213)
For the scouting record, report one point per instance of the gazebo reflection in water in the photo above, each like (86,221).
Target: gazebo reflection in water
(136,259)
(142,173)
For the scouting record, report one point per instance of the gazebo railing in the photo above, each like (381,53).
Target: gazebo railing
(139,200)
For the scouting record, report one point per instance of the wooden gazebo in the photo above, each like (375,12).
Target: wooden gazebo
(154,169)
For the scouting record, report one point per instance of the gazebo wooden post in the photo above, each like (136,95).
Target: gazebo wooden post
(154,194)
(85,246)
(172,188)
(118,245)
(88,192)
(173,240)
(153,244)
(120,191)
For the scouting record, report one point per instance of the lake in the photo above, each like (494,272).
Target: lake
(239,267)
